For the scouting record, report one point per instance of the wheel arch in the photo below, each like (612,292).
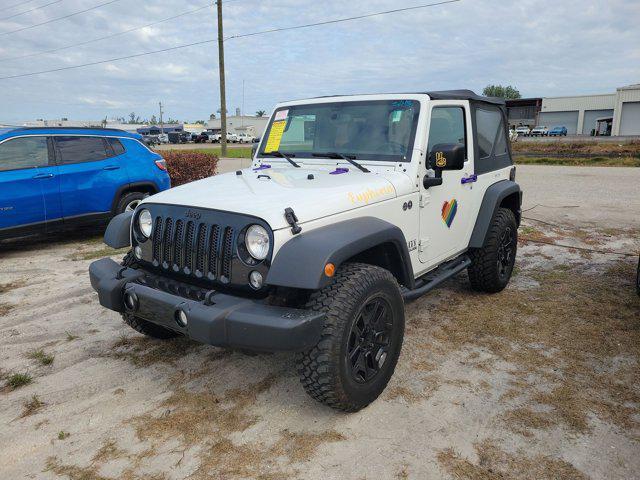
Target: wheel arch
(300,262)
(144,187)
(505,194)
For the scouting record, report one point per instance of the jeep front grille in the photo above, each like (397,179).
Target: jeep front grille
(193,248)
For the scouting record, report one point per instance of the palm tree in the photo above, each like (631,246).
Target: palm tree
(260,113)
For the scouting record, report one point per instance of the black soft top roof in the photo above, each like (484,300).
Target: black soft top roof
(446,95)
(464,95)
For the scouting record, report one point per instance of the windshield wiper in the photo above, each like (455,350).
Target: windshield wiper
(282,155)
(348,158)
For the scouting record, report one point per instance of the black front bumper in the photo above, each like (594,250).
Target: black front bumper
(221,320)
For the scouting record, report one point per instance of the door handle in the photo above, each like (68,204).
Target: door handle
(111,167)
(469,179)
(43,175)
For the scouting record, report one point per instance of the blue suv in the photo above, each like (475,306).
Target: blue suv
(67,177)
(558,132)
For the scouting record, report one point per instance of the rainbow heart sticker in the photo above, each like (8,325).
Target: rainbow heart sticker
(449,210)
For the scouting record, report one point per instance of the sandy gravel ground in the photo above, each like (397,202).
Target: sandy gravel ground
(540,381)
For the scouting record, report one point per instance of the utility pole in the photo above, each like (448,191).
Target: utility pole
(242,112)
(161,124)
(223,99)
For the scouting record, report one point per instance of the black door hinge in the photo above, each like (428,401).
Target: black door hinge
(292,219)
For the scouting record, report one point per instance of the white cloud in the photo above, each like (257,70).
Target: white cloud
(543,47)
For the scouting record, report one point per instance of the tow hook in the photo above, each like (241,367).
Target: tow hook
(292,219)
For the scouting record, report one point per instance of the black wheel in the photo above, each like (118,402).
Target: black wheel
(353,361)
(147,328)
(129,201)
(492,264)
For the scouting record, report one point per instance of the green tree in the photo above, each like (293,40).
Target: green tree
(260,113)
(154,120)
(499,91)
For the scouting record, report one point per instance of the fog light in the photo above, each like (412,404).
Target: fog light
(138,252)
(131,301)
(255,279)
(181,318)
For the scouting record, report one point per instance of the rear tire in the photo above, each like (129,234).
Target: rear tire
(357,353)
(129,201)
(492,264)
(147,328)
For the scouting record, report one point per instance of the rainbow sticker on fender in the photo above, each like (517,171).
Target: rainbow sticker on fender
(449,210)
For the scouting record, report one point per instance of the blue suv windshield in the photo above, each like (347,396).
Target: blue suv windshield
(382,130)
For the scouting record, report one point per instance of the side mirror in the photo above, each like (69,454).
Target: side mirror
(447,156)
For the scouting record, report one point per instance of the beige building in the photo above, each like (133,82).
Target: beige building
(617,113)
(241,124)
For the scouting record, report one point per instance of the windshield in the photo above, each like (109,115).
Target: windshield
(370,130)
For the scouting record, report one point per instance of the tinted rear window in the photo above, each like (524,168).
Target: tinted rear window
(80,149)
(24,152)
(118,148)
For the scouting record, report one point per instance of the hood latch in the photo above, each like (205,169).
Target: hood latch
(292,219)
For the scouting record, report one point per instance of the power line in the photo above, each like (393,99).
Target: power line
(203,42)
(117,34)
(342,19)
(30,10)
(19,4)
(59,18)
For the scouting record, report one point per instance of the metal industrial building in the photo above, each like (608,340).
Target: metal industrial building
(616,113)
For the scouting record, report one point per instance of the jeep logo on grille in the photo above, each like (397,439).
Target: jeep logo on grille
(192,214)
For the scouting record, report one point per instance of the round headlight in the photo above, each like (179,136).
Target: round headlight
(145,222)
(257,242)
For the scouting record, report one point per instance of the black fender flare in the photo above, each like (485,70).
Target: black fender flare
(300,262)
(118,233)
(493,197)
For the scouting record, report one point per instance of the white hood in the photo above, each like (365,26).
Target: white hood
(266,193)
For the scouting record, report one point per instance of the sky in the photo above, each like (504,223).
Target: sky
(543,48)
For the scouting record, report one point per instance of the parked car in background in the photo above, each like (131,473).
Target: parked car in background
(202,138)
(558,132)
(523,131)
(150,140)
(163,138)
(52,178)
(254,146)
(540,131)
(244,138)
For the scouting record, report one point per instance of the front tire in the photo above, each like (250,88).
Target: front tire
(492,265)
(129,201)
(364,327)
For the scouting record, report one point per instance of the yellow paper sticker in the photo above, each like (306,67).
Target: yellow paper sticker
(275,135)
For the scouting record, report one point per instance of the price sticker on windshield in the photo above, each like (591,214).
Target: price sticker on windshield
(275,135)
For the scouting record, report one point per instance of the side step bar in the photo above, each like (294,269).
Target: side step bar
(434,278)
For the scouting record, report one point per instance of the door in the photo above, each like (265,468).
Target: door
(90,176)
(24,175)
(560,119)
(446,210)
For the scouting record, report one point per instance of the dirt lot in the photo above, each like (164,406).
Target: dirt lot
(541,381)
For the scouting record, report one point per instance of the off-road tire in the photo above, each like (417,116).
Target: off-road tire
(147,328)
(324,370)
(484,272)
(128,198)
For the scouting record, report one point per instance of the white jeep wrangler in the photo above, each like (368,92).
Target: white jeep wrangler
(353,206)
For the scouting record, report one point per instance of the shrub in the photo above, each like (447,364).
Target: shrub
(186,166)
(18,380)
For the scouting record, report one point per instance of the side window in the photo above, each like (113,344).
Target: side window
(447,126)
(24,152)
(490,127)
(80,149)
(116,145)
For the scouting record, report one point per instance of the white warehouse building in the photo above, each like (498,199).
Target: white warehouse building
(615,113)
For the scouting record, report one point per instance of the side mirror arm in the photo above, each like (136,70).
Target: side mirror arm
(428,182)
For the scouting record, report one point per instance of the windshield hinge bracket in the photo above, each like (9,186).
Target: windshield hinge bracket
(292,219)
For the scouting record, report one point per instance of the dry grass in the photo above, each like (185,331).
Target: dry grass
(629,149)
(18,380)
(144,351)
(578,331)
(496,464)
(5,308)
(31,406)
(578,161)
(7,287)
